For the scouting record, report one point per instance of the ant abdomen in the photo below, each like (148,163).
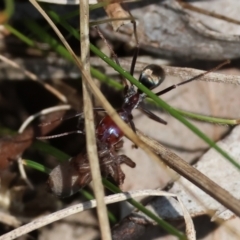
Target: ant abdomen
(152,76)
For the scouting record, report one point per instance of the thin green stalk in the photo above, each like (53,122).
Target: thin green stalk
(44,36)
(9,8)
(47,148)
(208,118)
(36,166)
(21,36)
(105,79)
(64,53)
(201,117)
(60,49)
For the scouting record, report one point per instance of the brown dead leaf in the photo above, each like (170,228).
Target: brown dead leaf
(12,147)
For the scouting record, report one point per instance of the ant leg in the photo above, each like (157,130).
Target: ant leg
(117,173)
(135,55)
(112,166)
(105,156)
(118,145)
(135,131)
(98,109)
(124,81)
(132,126)
(110,162)
(108,166)
(128,161)
(60,135)
(152,115)
(81,164)
(120,176)
(85,179)
(191,79)
(60,119)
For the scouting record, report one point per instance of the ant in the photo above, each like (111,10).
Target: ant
(68,177)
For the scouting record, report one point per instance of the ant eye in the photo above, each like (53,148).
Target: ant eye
(152,76)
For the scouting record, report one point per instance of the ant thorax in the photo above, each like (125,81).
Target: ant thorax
(131,99)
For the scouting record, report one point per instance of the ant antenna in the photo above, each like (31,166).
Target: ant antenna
(191,79)
(152,115)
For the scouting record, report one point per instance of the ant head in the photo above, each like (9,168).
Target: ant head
(152,76)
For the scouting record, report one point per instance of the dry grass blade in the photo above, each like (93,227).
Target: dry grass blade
(33,77)
(185,73)
(43,221)
(89,125)
(208,13)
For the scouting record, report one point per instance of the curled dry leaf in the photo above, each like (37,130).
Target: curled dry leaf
(12,147)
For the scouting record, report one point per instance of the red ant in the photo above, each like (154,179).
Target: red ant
(69,177)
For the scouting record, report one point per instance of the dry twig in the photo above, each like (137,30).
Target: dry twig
(89,124)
